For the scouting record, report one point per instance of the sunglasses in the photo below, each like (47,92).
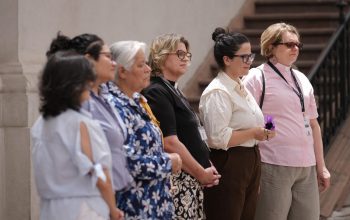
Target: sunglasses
(182,54)
(291,45)
(246,58)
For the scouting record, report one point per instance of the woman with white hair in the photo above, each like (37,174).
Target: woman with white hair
(149,196)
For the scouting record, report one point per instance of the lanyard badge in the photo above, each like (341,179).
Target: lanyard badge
(299,93)
(307,125)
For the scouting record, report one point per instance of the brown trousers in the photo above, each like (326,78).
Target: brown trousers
(235,197)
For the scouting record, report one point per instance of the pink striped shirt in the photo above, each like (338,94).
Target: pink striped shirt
(292,146)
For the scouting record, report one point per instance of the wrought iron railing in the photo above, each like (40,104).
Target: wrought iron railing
(330,77)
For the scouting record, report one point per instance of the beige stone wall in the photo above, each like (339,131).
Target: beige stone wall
(2,173)
(117,20)
(27,27)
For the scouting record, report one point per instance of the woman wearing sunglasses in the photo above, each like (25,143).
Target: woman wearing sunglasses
(234,125)
(292,163)
(182,131)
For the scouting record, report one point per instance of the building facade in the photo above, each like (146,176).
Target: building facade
(28,26)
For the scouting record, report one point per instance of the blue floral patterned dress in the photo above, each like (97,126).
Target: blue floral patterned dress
(149,196)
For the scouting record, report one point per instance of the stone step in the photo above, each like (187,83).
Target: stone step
(263,7)
(299,20)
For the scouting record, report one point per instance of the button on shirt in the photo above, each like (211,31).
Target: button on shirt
(224,108)
(291,146)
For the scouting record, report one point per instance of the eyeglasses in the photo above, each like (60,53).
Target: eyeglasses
(182,54)
(291,45)
(107,54)
(246,58)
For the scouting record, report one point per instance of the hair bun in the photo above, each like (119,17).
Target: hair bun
(61,42)
(218,33)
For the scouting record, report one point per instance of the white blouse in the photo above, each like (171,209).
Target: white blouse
(224,110)
(61,168)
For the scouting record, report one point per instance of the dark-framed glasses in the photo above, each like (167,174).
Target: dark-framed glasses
(291,44)
(246,58)
(182,54)
(107,54)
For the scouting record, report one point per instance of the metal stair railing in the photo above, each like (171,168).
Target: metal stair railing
(330,77)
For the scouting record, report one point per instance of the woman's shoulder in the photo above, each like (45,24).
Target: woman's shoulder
(65,125)
(70,120)
(254,73)
(156,85)
(158,90)
(217,85)
(300,75)
(304,80)
(75,116)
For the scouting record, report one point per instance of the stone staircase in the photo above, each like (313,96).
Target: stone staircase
(316,21)
(335,202)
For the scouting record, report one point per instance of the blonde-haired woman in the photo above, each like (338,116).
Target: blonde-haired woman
(292,163)
(169,58)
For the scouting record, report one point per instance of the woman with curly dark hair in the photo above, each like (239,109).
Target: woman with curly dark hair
(95,49)
(71,157)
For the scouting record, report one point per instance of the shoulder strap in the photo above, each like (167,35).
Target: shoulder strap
(263,89)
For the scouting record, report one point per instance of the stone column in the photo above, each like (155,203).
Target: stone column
(17,103)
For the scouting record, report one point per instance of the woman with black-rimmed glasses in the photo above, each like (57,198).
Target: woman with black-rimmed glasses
(234,124)
(169,58)
(292,163)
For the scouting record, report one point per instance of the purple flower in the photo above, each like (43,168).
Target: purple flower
(269,123)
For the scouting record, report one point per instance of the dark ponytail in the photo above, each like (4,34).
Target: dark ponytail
(61,42)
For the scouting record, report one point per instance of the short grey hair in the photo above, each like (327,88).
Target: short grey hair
(124,52)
